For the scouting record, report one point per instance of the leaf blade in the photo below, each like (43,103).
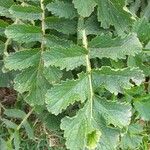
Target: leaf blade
(65,58)
(24,33)
(62,95)
(116,80)
(26,12)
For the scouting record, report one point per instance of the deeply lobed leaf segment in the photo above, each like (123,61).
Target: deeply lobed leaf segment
(76,54)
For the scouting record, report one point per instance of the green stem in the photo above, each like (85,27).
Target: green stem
(43,34)
(88,68)
(1,106)
(43,24)
(22,122)
(6,47)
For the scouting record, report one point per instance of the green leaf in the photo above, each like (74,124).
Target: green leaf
(146,11)
(140,61)
(34,82)
(52,41)
(147,47)
(118,48)
(62,95)
(25,12)
(132,139)
(52,74)
(92,26)
(3,25)
(77,129)
(84,8)
(16,140)
(6,78)
(15,113)
(2,46)
(142,28)
(112,12)
(81,127)
(62,9)
(23,59)
(29,130)
(68,58)
(9,124)
(23,33)
(4,7)
(62,25)
(115,113)
(134,6)
(116,80)
(51,121)
(110,136)
(3,144)
(142,105)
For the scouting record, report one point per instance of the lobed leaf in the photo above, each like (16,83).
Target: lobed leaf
(68,58)
(142,105)
(68,92)
(142,28)
(112,12)
(62,9)
(92,26)
(83,128)
(132,139)
(84,8)
(34,82)
(115,113)
(118,48)
(23,33)
(79,127)
(52,41)
(62,25)
(23,59)
(110,136)
(25,12)
(3,25)
(116,80)
(52,74)
(4,7)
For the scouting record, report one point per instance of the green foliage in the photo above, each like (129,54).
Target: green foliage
(24,33)
(113,12)
(62,9)
(23,59)
(116,80)
(132,138)
(60,96)
(105,46)
(82,66)
(25,12)
(68,58)
(87,9)
(4,7)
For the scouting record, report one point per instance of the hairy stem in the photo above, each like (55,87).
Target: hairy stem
(6,47)
(25,118)
(43,24)
(88,68)
(43,33)
(20,125)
